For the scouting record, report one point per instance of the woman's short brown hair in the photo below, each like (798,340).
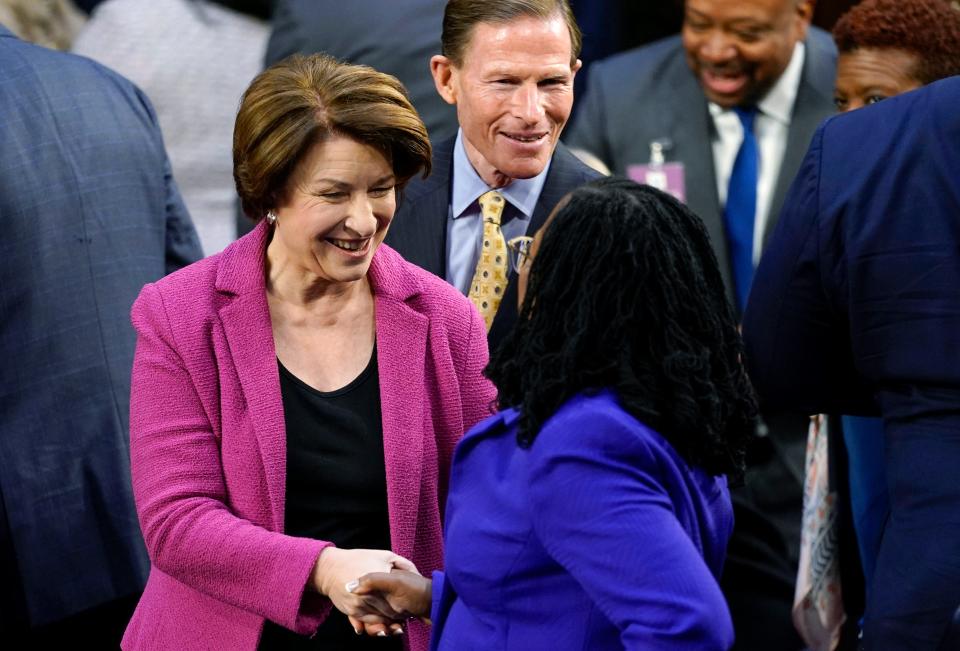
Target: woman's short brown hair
(927,29)
(303,100)
(461,16)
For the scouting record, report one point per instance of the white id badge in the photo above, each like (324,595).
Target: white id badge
(668,177)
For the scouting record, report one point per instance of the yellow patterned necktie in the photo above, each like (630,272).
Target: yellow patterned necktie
(490,278)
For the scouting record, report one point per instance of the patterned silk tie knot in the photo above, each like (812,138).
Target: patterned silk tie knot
(490,278)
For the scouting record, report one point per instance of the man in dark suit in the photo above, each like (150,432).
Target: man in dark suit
(508,67)
(856,310)
(90,213)
(394,37)
(681,92)
(732,103)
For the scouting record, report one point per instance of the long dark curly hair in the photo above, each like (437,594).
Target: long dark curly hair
(625,293)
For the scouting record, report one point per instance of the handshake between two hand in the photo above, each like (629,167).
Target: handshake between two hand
(389,598)
(388,592)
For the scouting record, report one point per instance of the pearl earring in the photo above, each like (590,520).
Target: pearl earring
(271,217)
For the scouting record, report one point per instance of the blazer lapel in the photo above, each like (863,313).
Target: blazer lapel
(814,104)
(245,318)
(566,174)
(561,179)
(690,128)
(434,209)
(401,363)
(420,228)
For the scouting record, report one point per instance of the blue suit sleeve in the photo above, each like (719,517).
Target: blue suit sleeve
(797,340)
(183,243)
(601,512)
(587,131)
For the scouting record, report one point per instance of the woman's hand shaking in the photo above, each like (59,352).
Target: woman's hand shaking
(335,573)
(404,592)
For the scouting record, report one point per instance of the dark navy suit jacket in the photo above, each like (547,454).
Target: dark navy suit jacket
(419,228)
(856,309)
(90,213)
(599,536)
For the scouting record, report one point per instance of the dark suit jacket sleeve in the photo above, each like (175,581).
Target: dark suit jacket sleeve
(183,243)
(587,131)
(797,340)
(598,506)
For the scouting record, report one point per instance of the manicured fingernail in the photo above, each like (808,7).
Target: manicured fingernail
(382,634)
(398,631)
(351,586)
(357,631)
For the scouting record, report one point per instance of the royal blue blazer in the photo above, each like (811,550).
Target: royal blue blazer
(599,536)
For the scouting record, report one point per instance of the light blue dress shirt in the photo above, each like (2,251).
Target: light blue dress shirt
(464,223)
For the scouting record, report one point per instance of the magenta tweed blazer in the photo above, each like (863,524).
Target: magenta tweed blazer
(208,444)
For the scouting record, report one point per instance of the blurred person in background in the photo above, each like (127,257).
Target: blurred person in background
(193,58)
(297,397)
(90,214)
(856,310)
(886,47)
(50,23)
(397,38)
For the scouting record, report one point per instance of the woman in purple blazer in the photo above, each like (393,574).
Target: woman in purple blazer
(297,398)
(593,512)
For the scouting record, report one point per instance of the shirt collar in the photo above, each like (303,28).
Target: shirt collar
(522,194)
(779,100)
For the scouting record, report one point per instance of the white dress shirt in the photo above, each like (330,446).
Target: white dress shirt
(771,128)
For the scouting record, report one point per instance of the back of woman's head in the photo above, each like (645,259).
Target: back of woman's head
(625,292)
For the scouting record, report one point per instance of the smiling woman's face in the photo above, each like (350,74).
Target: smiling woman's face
(336,211)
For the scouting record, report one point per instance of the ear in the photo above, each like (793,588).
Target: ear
(575,68)
(805,17)
(444,77)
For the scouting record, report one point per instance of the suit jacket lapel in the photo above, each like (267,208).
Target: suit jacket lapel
(421,228)
(561,178)
(691,130)
(245,318)
(814,104)
(566,173)
(401,363)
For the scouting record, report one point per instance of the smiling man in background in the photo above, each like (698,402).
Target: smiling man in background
(730,106)
(508,67)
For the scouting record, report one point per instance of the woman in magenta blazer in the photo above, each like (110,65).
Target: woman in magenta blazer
(296,398)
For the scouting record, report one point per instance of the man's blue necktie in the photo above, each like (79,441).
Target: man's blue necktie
(741,208)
